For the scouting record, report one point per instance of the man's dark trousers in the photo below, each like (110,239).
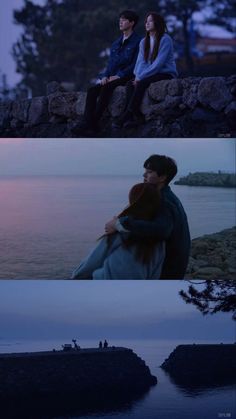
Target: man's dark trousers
(98,97)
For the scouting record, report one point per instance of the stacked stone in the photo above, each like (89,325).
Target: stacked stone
(190,107)
(213,256)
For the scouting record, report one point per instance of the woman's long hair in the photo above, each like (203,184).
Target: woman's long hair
(160,29)
(144,204)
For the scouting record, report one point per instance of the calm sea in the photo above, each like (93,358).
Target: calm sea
(48,224)
(166,400)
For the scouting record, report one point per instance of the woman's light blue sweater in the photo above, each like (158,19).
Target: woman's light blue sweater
(163,63)
(117,262)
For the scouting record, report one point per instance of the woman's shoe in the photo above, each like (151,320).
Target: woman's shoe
(139,118)
(134,121)
(130,123)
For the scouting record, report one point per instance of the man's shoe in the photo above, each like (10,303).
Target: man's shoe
(80,128)
(116,125)
(120,122)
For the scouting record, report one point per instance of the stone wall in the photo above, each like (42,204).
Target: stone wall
(190,107)
(213,256)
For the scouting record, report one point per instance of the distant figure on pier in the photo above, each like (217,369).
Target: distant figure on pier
(105,345)
(100,344)
(77,347)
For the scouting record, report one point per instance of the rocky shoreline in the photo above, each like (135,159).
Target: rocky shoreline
(213,256)
(220,179)
(189,107)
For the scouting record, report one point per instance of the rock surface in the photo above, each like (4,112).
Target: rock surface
(190,107)
(213,256)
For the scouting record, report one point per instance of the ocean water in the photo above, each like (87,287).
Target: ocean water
(166,400)
(48,224)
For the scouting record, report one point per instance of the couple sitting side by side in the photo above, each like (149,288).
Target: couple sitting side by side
(150,238)
(133,64)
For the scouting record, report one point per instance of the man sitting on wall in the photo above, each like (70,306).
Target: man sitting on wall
(119,71)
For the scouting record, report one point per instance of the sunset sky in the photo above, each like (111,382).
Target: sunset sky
(116,157)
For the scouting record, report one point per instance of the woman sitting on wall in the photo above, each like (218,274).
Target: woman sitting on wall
(155,62)
(123,255)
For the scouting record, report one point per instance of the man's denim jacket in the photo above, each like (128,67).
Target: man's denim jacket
(122,57)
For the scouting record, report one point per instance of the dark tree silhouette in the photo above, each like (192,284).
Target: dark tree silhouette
(221,13)
(67,41)
(217,296)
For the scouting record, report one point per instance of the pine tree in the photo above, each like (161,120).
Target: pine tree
(217,296)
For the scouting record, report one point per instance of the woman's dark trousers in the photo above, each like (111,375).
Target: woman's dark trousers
(98,98)
(135,93)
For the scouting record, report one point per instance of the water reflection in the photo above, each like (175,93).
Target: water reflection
(195,385)
(60,406)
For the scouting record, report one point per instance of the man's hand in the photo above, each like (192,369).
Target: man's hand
(135,82)
(112,78)
(104,80)
(110,227)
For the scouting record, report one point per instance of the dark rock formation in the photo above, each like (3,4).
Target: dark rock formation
(85,379)
(223,180)
(213,256)
(191,107)
(199,366)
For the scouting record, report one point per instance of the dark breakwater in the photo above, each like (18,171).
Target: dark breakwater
(198,366)
(77,381)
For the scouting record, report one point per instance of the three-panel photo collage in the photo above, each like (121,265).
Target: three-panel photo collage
(117,209)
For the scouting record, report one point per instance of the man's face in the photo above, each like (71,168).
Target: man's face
(152,177)
(125,24)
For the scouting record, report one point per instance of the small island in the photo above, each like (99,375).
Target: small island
(220,179)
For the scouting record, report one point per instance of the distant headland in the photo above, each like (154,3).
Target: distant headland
(220,179)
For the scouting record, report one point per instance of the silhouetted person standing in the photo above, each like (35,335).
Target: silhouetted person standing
(105,345)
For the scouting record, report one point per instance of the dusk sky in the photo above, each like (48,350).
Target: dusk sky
(116,157)
(116,309)
(9,33)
